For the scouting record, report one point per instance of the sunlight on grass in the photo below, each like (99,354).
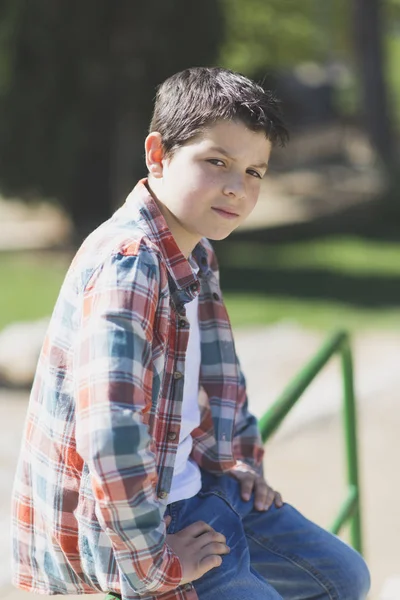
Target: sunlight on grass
(29,286)
(344,255)
(249,310)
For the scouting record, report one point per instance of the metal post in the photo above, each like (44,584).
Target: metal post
(350,431)
(270,421)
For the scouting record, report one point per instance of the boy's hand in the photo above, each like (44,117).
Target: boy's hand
(264,495)
(199,548)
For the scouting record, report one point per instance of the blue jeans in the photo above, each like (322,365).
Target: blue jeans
(275,555)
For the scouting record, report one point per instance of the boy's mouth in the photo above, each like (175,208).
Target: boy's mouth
(224,212)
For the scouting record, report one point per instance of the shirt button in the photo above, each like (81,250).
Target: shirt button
(182,323)
(178,375)
(215,296)
(194,287)
(162,495)
(171,436)
(187,587)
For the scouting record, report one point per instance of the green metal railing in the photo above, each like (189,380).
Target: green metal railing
(339,343)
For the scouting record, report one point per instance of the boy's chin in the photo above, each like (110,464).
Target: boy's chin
(219,237)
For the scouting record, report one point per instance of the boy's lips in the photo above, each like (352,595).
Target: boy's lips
(225,212)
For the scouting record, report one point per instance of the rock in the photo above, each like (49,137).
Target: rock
(20,345)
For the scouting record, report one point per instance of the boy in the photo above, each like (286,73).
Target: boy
(140,471)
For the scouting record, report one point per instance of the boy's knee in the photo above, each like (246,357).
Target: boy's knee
(362,580)
(356,579)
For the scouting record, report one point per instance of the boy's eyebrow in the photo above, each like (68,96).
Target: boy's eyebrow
(221,150)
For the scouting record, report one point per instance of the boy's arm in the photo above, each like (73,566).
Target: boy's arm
(113,365)
(247,445)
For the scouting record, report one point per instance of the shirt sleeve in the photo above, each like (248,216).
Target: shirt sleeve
(247,445)
(113,367)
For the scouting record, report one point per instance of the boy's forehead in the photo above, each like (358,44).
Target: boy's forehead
(234,138)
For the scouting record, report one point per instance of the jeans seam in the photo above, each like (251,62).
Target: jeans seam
(296,560)
(223,497)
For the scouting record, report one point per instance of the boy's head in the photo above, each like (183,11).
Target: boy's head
(208,149)
(190,101)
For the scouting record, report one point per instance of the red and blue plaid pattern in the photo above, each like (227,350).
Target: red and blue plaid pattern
(103,422)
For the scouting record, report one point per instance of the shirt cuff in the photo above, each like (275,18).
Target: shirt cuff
(170,573)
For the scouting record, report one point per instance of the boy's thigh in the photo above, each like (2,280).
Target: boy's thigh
(301,560)
(235,579)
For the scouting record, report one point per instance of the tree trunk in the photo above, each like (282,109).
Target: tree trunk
(368,40)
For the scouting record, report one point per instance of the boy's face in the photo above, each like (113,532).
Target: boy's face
(211,184)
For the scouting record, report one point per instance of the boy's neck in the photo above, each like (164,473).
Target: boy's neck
(185,242)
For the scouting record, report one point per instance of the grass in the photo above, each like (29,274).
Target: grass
(30,284)
(337,282)
(257,310)
(340,254)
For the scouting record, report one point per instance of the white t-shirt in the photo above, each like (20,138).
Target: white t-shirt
(186,481)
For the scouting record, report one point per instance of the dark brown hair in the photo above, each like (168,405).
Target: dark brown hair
(193,99)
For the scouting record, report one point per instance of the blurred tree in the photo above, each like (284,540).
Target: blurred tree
(77,81)
(275,35)
(271,34)
(369,47)
(393,8)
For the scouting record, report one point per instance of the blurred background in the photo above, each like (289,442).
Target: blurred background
(321,251)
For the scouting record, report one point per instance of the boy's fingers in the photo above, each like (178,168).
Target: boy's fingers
(210,561)
(278,500)
(261,494)
(215,548)
(198,528)
(211,537)
(247,486)
(270,498)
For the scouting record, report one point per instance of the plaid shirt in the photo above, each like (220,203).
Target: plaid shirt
(103,422)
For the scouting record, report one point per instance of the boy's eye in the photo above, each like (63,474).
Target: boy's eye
(216,161)
(254,173)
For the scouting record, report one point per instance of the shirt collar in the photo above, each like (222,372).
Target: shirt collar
(142,205)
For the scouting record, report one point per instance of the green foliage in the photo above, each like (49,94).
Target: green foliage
(392,10)
(261,34)
(393,74)
(280,34)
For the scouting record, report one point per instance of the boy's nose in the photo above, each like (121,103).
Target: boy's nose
(234,188)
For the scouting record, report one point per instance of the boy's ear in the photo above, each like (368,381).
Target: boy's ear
(154,154)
